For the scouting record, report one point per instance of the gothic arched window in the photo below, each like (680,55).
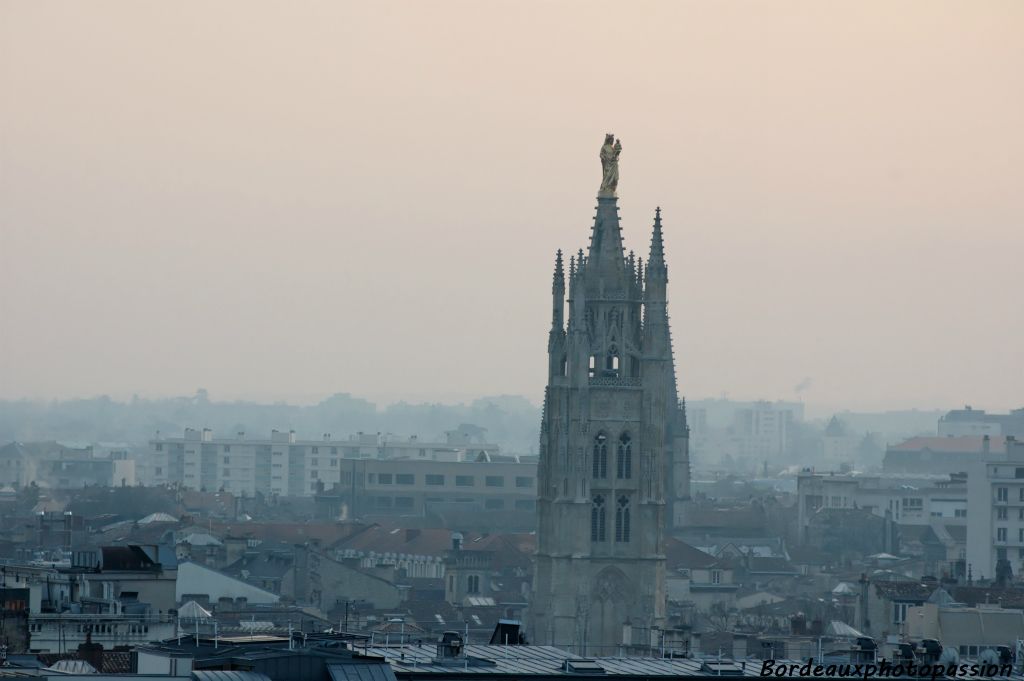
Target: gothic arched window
(611,362)
(601,456)
(597,519)
(624,460)
(622,519)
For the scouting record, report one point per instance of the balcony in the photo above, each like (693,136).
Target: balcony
(614,382)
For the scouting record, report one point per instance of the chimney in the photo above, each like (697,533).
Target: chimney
(450,645)
(241,435)
(91,652)
(985,444)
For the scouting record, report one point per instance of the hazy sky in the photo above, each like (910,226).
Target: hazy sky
(282,200)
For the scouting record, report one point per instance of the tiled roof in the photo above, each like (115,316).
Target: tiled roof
(957,532)
(772,565)
(903,591)
(959,444)
(809,555)
(513,548)
(980,595)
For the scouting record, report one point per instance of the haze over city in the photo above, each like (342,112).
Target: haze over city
(534,340)
(279,202)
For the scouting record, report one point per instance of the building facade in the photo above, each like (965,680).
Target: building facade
(970,421)
(995,524)
(284,465)
(614,458)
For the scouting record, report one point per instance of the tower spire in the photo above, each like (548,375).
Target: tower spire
(657,259)
(558,279)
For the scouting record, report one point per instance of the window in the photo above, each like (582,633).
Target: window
(899,613)
(159,470)
(601,456)
(403,502)
(434,479)
(227,448)
(1001,494)
(1020,536)
(526,505)
(1001,513)
(315,450)
(1020,491)
(313,475)
(624,461)
(463,480)
(494,504)
(611,362)
(1000,534)
(159,447)
(334,451)
(622,519)
(405,479)
(383,478)
(494,481)
(593,365)
(383,502)
(597,519)
(1019,473)
(716,576)
(334,463)
(473,584)
(962,513)
(227,460)
(314,462)
(523,481)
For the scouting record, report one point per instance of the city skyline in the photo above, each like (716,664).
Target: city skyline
(367,211)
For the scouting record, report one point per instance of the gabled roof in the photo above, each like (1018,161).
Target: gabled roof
(194,611)
(679,554)
(835,428)
(158,518)
(201,539)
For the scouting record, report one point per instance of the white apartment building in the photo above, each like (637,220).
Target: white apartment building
(286,466)
(908,501)
(763,429)
(995,526)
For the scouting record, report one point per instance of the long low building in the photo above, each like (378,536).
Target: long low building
(284,465)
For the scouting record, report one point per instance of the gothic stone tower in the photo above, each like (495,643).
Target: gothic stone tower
(614,456)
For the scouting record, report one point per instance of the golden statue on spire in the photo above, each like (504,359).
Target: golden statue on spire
(610,166)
